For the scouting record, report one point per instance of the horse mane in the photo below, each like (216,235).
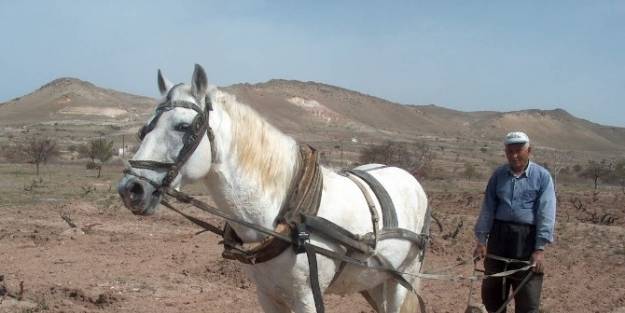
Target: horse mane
(262,151)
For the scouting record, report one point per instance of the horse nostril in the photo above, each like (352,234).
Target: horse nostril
(136,192)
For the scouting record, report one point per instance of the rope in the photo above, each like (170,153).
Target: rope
(182,197)
(518,288)
(312,249)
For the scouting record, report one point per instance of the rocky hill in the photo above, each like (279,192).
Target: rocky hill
(317,112)
(332,106)
(71,99)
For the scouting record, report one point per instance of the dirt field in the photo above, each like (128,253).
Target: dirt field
(113,261)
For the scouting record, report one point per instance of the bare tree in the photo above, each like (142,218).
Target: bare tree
(415,157)
(619,173)
(559,159)
(100,149)
(596,170)
(422,159)
(36,150)
(469,170)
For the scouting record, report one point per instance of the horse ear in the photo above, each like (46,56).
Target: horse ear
(199,82)
(163,84)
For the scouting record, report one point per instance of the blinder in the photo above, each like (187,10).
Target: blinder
(191,139)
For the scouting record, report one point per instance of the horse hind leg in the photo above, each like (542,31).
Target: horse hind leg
(392,297)
(386,297)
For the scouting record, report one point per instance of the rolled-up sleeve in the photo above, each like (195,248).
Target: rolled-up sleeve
(487,214)
(545,213)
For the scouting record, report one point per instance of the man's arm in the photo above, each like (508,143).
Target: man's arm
(545,213)
(485,220)
(545,222)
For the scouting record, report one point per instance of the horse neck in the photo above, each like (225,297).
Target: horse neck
(255,167)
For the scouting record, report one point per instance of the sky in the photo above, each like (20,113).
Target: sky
(462,55)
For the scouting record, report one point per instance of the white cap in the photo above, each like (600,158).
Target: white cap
(516,137)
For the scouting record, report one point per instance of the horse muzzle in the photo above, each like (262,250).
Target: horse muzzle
(139,196)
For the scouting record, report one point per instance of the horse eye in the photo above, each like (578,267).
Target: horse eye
(183,127)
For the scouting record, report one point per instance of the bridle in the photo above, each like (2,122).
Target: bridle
(191,139)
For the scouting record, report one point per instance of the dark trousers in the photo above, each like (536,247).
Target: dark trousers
(513,241)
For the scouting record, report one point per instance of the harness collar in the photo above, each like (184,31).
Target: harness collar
(303,198)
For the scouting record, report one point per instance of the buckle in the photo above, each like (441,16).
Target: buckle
(300,238)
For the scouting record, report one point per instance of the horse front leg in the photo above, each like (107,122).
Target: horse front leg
(284,282)
(298,300)
(278,298)
(271,304)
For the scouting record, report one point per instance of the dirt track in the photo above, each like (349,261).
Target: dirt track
(122,263)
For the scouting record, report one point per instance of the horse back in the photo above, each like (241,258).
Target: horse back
(343,201)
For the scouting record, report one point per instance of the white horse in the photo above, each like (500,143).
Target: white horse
(248,167)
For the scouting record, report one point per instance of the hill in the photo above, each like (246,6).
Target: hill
(316,112)
(330,107)
(66,99)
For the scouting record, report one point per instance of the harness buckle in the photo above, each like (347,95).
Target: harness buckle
(300,238)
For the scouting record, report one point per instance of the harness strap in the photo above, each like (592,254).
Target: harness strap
(185,198)
(304,198)
(312,249)
(425,230)
(304,194)
(206,226)
(329,230)
(147,164)
(314,278)
(399,233)
(191,139)
(258,252)
(385,263)
(389,216)
(375,218)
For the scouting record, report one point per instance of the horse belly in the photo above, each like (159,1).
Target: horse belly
(398,253)
(354,279)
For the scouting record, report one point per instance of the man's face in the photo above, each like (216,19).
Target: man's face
(518,155)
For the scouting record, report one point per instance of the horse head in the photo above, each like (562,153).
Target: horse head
(175,144)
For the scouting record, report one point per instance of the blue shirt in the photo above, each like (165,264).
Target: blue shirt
(528,198)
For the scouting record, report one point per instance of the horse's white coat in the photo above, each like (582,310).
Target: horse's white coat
(250,177)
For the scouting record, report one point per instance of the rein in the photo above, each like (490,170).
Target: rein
(296,220)
(436,275)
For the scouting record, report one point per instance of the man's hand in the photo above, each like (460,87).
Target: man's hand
(538,258)
(479,252)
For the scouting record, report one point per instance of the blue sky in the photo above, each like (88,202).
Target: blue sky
(464,55)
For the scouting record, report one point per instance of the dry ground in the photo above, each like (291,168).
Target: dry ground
(114,261)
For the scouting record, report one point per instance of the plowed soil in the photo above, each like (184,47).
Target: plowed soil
(113,261)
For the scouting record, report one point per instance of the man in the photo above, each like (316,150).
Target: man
(516,222)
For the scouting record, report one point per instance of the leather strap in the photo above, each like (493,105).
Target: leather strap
(314,278)
(389,216)
(304,195)
(191,139)
(258,252)
(375,219)
(304,198)
(329,230)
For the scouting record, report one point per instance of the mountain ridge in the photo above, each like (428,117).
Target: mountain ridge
(321,112)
